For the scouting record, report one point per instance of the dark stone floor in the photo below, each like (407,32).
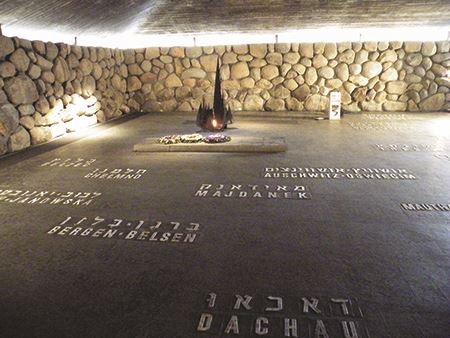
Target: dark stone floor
(344,258)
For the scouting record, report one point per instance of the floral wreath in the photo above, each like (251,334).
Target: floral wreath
(194,138)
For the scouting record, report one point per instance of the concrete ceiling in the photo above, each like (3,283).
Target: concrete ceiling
(77,17)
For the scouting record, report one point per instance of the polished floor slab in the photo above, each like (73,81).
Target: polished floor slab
(345,234)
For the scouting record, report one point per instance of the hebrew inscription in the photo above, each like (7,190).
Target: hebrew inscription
(97,173)
(444,157)
(48,197)
(136,230)
(407,147)
(425,207)
(275,316)
(339,173)
(394,117)
(59,162)
(253,191)
(382,126)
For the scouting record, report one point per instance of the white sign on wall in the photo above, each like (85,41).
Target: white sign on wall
(335,106)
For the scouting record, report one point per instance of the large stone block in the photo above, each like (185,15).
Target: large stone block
(51,51)
(248,83)
(240,49)
(306,50)
(371,106)
(86,66)
(388,56)
(359,80)
(412,46)
(389,75)
(319,61)
(129,56)
(26,109)
(258,50)
(40,135)
(291,58)
(7,69)
(347,56)
(34,72)
(274,59)
(302,92)
(3,98)
(173,81)
(9,120)
(269,72)
(435,102)
(20,60)
(230,85)
(316,102)
(44,63)
(19,140)
(239,70)
(342,71)
(429,48)
(6,47)
(21,90)
(274,104)
(195,73)
(209,62)
(326,72)
(361,56)
(61,70)
(282,47)
(311,76)
(371,69)
(293,104)
(394,106)
(27,122)
(281,92)
(193,52)
(253,102)
(88,86)
(396,87)
(439,70)
(229,58)
(330,50)
(176,52)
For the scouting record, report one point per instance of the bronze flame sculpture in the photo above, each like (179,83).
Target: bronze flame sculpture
(217,118)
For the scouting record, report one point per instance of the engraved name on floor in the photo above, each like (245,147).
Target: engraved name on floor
(136,230)
(253,191)
(375,125)
(444,157)
(389,117)
(339,173)
(407,147)
(39,197)
(425,207)
(97,173)
(275,316)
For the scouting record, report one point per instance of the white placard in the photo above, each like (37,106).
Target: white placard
(335,106)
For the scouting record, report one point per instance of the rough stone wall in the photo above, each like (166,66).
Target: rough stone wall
(49,89)
(371,76)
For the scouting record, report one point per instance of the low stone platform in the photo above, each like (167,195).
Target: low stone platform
(236,145)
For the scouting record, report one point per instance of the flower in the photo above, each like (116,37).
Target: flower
(216,138)
(170,139)
(194,138)
(191,138)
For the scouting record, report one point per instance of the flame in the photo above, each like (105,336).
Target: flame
(214,123)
